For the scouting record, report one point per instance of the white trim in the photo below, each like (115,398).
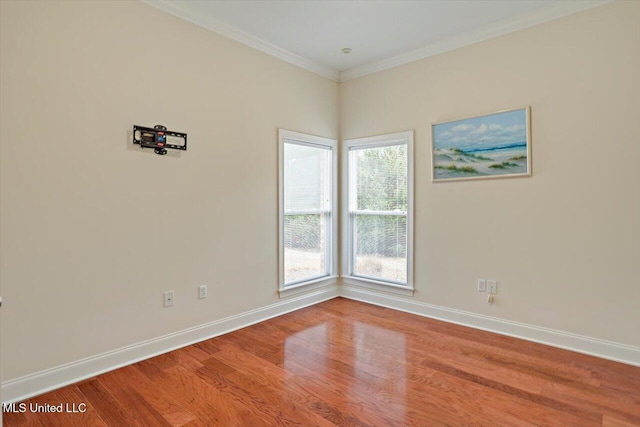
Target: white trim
(579,343)
(307,286)
(35,384)
(307,212)
(389,287)
(387,140)
(371,212)
(331,145)
(217,26)
(347,199)
(31,385)
(558,10)
(307,140)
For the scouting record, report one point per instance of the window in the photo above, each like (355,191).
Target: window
(307,202)
(378,238)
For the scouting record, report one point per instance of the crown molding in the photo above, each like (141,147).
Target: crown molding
(233,33)
(558,10)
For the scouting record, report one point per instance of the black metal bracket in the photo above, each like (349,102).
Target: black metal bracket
(159,138)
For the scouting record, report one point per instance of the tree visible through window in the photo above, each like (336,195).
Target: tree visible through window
(380,219)
(379,209)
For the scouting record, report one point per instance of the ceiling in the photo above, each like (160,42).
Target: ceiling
(380,34)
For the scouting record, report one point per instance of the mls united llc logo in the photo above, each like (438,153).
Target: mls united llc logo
(44,407)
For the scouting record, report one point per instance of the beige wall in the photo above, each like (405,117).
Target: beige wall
(94,229)
(564,244)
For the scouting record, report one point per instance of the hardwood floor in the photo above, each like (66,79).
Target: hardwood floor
(347,363)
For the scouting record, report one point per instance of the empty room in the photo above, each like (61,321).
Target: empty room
(320,213)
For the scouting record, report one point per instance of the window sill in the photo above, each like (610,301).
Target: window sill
(378,285)
(299,288)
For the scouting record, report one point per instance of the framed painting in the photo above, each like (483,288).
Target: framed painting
(496,145)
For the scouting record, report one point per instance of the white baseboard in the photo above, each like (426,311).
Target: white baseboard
(595,347)
(31,385)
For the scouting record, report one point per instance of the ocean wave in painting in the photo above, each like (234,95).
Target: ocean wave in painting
(481,146)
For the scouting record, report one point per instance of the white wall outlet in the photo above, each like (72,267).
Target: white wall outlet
(492,286)
(482,285)
(202,291)
(168,299)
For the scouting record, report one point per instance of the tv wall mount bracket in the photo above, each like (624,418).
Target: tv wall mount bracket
(159,138)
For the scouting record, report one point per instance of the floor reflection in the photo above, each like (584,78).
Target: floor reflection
(356,360)
(381,363)
(306,350)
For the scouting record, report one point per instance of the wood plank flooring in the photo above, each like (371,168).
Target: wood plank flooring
(347,363)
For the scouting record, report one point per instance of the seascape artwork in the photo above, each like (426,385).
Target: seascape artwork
(490,146)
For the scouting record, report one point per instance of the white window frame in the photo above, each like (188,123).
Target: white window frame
(331,255)
(348,212)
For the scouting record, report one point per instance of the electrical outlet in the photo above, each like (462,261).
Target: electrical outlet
(168,299)
(202,291)
(492,286)
(482,285)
